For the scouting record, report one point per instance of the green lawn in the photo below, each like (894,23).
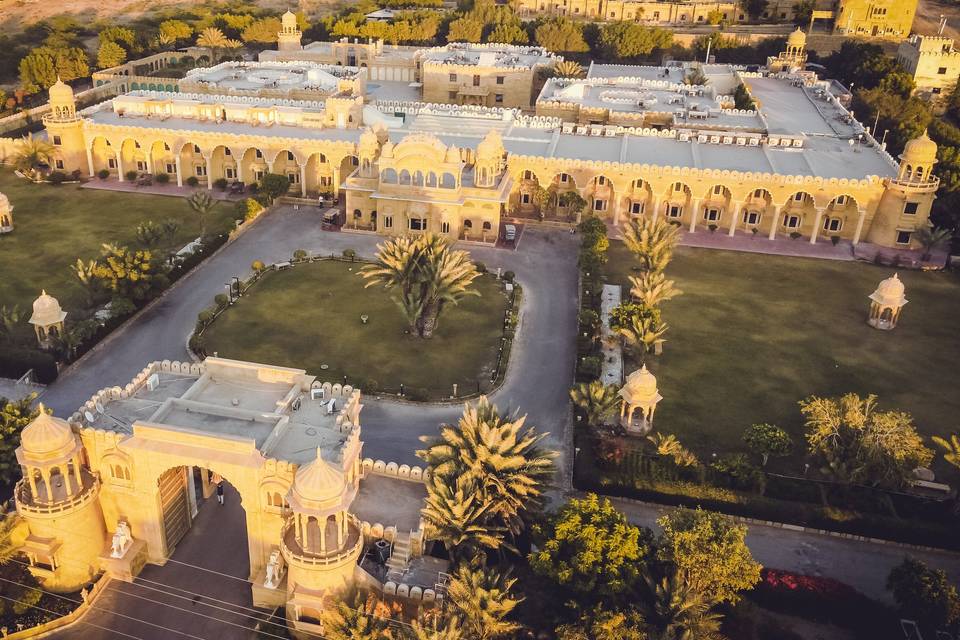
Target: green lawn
(53,226)
(752,334)
(309,316)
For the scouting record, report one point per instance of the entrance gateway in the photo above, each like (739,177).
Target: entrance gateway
(289,445)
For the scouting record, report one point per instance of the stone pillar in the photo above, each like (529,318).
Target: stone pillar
(149,164)
(816,225)
(656,207)
(32,478)
(860,218)
(616,210)
(179,171)
(735,209)
(240,169)
(303,180)
(694,212)
(119,166)
(775,220)
(336,181)
(209,162)
(90,167)
(191,491)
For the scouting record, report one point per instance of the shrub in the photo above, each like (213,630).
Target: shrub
(57,177)
(835,240)
(192,181)
(16,361)
(221,299)
(795,234)
(300,255)
(712,227)
(248,209)
(480,267)
(754,231)
(220,183)
(416,394)
(103,174)
(196,344)
(162,178)
(508,276)
(590,367)
(349,254)
(131,175)
(205,316)
(258,266)
(76,174)
(369,385)
(737,472)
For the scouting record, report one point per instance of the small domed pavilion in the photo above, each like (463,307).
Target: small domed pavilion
(886,303)
(639,393)
(6,215)
(47,318)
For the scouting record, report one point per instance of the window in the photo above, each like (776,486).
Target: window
(230,173)
(675,211)
(758,193)
(498,98)
(476,81)
(678,186)
(56,140)
(388,222)
(832,224)
(564,178)
(487,226)
(599,205)
(444,227)
(200,170)
(910,208)
(418,224)
(841,200)
(499,79)
(452,95)
(798,197)
(227,152)
(717,189)
(453,77)
(58,164)
(791,222)
(751,217)
(289,155)
(171,168)
(601,180)
(196,149)
(112,163)
(294,178)
(141,165)
(636,207)
(524,198)
(711,214)
(259,153)
(258,175)
(903,237)
(942,71)
(935,91)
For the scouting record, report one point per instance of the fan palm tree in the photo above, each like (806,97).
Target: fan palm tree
(930,238)
(652,288)
(359,622)
(482,598)
(202,203)
(652,241)
(435,626)
(502,459)
(84,271)
(568,69)
(668,445)
(595,401)
(674,610)
(951,448)
(457,513)
(426,276)
(643,332)
(32,154)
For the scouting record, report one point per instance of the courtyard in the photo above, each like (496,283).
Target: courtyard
(55,225)
(753,334)
(309,317)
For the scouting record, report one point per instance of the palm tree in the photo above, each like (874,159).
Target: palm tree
(201,202)
(568,69)
(84,271)
(668,445)
(483,599)
(643,332)
(435,626)
(214,39)
(426,275)
(8,522)
(651,289)
(502,459)
(359,622)
(930,238)
(652,241)
(674,610)
(595,401)
(457,513)
(10,317)
(32,154)
(951,448)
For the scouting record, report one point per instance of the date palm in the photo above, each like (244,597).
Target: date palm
(482,598)
(341,621)
(595,401)
(652,241)
(668,445)
(951,448)
(651,289)
(214,39)
(202,203)
(930,238)
(503,459)
(643,332)
(436,626)
(457,513)
(674,610)
(568,69)
(84,272)
(32,153)
(425,275)
(10,317)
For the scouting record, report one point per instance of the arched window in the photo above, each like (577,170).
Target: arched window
(388,176)
(448,181)
(487,226)
(404,177)
(418,178)
(468,224)
(431,179)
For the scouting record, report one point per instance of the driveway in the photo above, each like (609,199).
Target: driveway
(539,374)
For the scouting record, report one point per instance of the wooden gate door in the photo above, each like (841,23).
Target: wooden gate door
(174,506)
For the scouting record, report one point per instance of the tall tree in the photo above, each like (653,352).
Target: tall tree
(14,416)
(651,289)
(643,332)
(630,40)
(341,621)
(652,241)
(128,274)
(263,30)
(860,443)
(436,626)
(923,594)
(674,610)
(426,275)
(465,29)
(709,553)
(456,513)
(32,154)
(483,600)
(951,448)
(84,272)
(930,238)
(594,401)
(201,202)
(171,32)
(10,318)
(767,440)
(110,55)
(561,35)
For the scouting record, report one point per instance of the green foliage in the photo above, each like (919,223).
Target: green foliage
(103,174)
(742,98)
(631,40)
(40,68)
(508,276)
(248,209)
(754,8)
(708,552)
(274,185)
(594,401)
(263,30)
(128,274)
(359,621)
(220,184)
(652,241)
(131,175)
(120,36)
(675,610)
(56,177)
(737,472)
(14,416)
(651,289)
(300,255)
(860,443)
(802,11)
(192,181)
(601,624)
(924,594)
(767,440)
(149,233)
(258,266)
(465,29)
(32,154)
(221,299)
(351,254)
(482,598)
(589,549)
(668,445)
(561,35)
(201,202)
(951,448)
(508,33)
(110,55)
(173,31)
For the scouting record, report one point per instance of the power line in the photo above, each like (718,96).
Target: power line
(81,621)
(199,595)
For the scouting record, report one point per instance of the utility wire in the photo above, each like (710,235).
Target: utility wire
(81,621)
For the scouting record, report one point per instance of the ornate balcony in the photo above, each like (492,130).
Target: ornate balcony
(294,553)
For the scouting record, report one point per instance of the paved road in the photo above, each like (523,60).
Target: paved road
(539,374)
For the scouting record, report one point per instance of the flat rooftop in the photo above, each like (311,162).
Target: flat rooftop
(390,501)
(792,110)
(255,76)
(487,55)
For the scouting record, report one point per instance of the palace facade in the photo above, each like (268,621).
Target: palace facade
(630,141)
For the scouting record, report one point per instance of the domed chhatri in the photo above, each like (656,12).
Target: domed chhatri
(922,148)
(639,393)
(6,215)
(318,486)
(886,303)
(46,436)
(47,318)
(60,91)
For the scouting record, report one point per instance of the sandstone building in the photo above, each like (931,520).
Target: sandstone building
(934,64)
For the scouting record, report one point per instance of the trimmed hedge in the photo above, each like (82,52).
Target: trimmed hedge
(16,361)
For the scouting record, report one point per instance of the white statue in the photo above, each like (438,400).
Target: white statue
(121,540)
(274,570)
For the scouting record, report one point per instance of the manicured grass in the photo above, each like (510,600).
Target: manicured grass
(53,226)
(309,316)
(753,334)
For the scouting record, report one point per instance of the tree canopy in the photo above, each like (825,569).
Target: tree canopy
(561,35)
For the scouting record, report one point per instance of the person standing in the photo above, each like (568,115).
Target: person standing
(220,492)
